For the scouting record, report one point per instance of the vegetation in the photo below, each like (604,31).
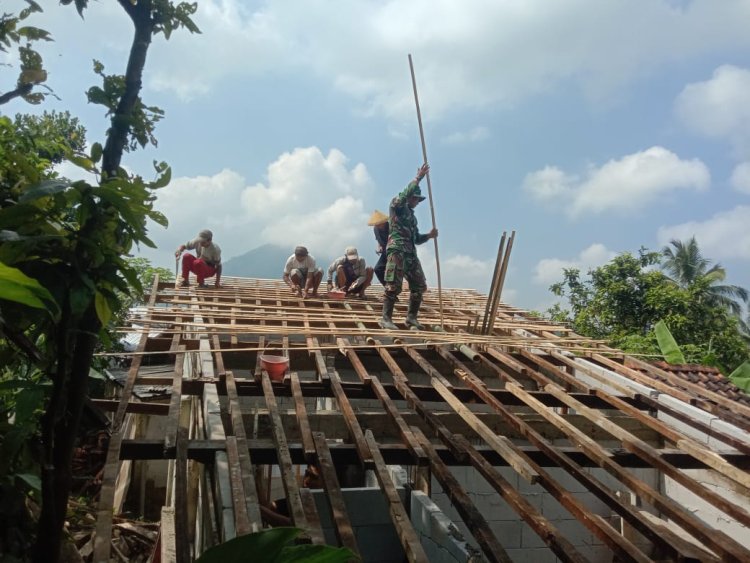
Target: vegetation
(275,545)
(63,262)
(623,301)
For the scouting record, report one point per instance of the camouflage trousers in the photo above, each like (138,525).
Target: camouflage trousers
(402,265)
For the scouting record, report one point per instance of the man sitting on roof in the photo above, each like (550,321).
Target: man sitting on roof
(300,271)
(207,262)
(352,274)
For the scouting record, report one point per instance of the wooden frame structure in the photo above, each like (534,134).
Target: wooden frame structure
(529,395)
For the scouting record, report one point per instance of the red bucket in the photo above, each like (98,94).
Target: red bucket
(276,366)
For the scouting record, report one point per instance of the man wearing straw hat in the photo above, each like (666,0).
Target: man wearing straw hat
(403,262)
(353,276)
(379,223)
(207,262)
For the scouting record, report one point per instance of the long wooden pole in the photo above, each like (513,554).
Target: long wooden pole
(429,187)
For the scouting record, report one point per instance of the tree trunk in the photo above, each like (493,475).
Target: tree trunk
(118,133)
(57,477)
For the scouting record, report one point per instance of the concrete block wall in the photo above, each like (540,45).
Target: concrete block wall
(371,521)
(520,541)
(441,539)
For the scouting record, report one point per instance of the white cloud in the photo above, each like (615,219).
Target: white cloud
(471,136)
(740,179)
(724,236)
(309,198)
(719,107)
(456,270)
(549,183)
(467,54)
(549,270)
(625,184)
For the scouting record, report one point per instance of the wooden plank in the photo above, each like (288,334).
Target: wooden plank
(252,503)
(471,516)
(601,528)
(350,418)
(313,518)
(181,522)
(500,444)
(718,541)
(550,535)
(646,452)
(340,516)
(288,479)
(390,409)
(241,518)
(304,423)
(173,418)
(401,521)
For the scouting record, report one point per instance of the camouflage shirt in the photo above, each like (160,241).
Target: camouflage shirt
(404,234)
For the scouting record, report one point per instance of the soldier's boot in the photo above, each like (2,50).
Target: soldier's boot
(415,302)
(386,321)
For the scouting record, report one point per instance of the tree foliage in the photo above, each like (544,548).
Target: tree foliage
(689,269)
(16,35)
(622,301)
(65,246)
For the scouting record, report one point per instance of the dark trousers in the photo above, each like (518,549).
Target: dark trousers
(380,267)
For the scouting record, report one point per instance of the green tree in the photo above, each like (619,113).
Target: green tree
(14,34)
(72,240)
(53,134)
(623,300)
(689,269)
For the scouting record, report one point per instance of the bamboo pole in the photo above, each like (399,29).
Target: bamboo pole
(429,187)
(493,284)
(500,283)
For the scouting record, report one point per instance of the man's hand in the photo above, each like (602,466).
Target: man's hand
(329,285)
(433,233)
(379,250)
(422,172)
(180,250)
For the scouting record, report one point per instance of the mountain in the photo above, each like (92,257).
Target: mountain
(266,261)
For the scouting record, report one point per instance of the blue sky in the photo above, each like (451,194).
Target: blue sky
(589,127)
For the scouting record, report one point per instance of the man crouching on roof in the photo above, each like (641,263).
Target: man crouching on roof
(207,262)
(300,271)
(352,274)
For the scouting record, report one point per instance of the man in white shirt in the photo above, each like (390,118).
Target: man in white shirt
(207,263)
(300,271)
(352,274)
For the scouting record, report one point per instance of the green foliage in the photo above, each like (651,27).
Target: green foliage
(689,269)
(741,376)
(53,134)
(274,545)
(15,34)
(669,348)
(623,300)
(142,119)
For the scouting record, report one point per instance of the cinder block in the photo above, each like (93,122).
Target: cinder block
(507,532)
(565,479)
(494,508)
(379,543)
(575,532)
(529,538)
(553,510)
(541,555)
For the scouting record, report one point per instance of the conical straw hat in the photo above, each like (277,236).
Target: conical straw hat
(377,218)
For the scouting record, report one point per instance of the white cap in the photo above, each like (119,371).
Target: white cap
(351,253)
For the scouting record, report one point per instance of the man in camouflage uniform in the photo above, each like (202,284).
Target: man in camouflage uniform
(402,253)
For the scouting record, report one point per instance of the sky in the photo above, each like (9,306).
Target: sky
(589,127)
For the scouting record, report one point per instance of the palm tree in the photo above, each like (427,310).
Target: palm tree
(688,268)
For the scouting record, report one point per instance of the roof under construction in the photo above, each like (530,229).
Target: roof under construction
(524,395)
